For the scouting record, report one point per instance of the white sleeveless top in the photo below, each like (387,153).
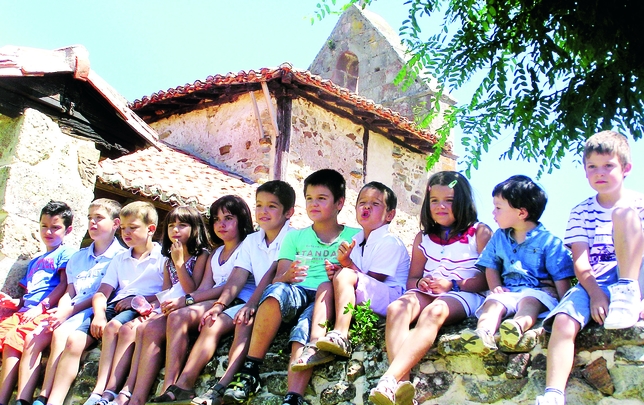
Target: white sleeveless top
(453,259)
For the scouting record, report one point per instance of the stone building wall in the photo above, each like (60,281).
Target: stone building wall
(225,135)
(39,163)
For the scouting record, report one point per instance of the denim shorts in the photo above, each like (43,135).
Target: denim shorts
(576,304)
(296,306)
(110,314)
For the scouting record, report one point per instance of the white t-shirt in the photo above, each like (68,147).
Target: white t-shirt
(221,272)
(85,270)
(130,276)
(256,258)
(383,253)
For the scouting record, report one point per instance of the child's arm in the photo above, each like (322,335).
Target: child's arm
(584,272)
(248,310)
(234,284)
(417,267)
(494,282)
(188,283)
(49,301)
(287,272)
(99,304)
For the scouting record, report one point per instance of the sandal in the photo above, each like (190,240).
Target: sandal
(175,395)
(510,332)
(335,343)
(311,357)
(213,396)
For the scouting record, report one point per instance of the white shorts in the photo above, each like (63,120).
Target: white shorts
(469,300)
(380,294)
(510,300)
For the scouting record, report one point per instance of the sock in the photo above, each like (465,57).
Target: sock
(22,402)
(40,400)
(251,366)
(554,391)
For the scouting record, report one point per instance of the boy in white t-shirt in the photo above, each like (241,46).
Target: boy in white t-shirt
(136,271)
(373,267)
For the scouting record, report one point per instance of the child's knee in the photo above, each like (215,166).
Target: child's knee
(111,329)
(625,217)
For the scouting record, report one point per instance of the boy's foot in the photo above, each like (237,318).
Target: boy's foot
(213,396)
(311,356)
(511,332)
(384,392)
(405,393)
(479,341)
(335,343)
(175,395)
(623,311)
(241,389)
(93,399)
(293,398)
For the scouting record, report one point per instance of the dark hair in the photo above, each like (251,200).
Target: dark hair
(329,178)
(280,189)
(112,207)
(59,208)
(521,192)
(198,240)
(463,207)
(236,206)
(391,201)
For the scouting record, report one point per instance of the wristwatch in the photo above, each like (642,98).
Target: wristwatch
(189,300)
(455,286)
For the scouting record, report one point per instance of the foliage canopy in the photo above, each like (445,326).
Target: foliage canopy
(553,71)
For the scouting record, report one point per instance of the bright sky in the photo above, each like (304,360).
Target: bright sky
(144,46)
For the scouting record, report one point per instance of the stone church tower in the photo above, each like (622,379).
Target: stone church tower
(365,54)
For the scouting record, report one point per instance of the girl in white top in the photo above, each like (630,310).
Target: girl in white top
(231,221)
(443,286)
(185,247)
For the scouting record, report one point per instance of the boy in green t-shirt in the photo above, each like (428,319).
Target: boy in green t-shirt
(292,295)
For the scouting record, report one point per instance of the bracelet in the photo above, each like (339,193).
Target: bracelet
(220,303)
(418,282)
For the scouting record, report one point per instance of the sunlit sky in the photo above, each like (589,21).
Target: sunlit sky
(144,46)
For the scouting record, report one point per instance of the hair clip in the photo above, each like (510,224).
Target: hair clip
(453,184)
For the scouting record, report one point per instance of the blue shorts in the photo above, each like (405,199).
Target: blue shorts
(296,306)
(576,304)
(110,314)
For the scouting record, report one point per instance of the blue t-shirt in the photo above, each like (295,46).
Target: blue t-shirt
(306,242)
(43,275)
(540,259)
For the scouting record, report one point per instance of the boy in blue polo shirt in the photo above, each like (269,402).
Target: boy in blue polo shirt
(45,283)
(527,268)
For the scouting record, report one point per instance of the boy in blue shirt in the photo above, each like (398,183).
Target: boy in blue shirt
(527,268)
(292,295)
(605,234)
(44,283)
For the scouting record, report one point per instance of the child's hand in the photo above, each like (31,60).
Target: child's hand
(599,306)
(97,326)
(176,252)
(438,285)
(295,274)
(31,313)
(499,290)
(172,305)
(344,251)
(208,319)
(245,314)
(331,269)
(55,319)
(122,305)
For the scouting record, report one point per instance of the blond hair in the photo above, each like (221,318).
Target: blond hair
(112,207)
(609,143)
(143,210)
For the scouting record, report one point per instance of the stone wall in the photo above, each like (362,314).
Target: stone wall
(225,135)
(38,163)
(608,370)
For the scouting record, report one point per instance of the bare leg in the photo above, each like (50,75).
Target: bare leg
(29,369)
(400,314)
(267,323)
(561,351)
(528,310)
(238,351)
(8,372)
(297,382)
(58,341)
(122,356)
(108,347)
(150,338)
(203,350)
(179,323)
(628,240)
(322,311)
(421,338)
(344,286)
(68,366)
(493,312)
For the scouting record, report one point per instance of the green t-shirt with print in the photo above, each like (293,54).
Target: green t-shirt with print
(306,242)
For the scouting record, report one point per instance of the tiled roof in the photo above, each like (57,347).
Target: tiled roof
(389,121)
(176,178)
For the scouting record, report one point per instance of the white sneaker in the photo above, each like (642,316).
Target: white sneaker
(623,311)
(93,399)
(549,400)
